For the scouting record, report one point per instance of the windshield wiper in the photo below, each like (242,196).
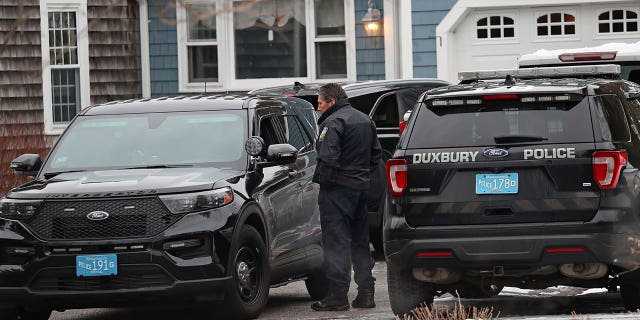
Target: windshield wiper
(518,138)
(158,166)
(51,174)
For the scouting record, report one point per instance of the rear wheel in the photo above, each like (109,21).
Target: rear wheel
(630,292)
(405,292)
(247,293)
(316,283)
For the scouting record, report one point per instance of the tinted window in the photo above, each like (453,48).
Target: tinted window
(364,102)
(296,136)
(611,118)
(386,114)
(213,138)
(453,126)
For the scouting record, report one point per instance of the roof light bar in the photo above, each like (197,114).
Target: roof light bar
(543,72)
(587,56)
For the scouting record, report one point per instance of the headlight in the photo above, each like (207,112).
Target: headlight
(18,209)
(191,202)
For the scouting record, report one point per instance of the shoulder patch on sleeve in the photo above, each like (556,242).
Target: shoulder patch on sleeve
(323,133)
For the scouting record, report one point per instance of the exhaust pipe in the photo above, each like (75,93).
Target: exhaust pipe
(437,275)
(587,271)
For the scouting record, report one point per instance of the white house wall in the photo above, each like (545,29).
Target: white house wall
(460,50)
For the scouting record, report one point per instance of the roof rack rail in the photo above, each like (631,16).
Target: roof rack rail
(542,72)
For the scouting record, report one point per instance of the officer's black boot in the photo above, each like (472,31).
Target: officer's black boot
(364,299)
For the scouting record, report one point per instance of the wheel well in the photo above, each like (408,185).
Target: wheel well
(255,221)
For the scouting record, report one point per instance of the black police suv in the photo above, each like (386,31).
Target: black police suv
(531,181)
(166,200)
(386,102)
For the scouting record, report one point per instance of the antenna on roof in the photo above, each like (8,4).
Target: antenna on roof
(205,87)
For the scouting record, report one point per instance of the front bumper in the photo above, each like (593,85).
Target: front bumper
(41,273)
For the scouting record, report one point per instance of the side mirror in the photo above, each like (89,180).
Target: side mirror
(282,153)
(27,164)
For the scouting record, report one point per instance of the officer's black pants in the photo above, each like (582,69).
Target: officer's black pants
(345,239)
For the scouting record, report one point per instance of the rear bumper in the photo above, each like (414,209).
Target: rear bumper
(518,247)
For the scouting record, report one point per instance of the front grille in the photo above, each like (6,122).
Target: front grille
(128,277)
(128,218)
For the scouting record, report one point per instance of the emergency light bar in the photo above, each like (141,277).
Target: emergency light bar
(542,72)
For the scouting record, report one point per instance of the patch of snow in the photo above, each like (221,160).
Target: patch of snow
(513,290)
(594,290)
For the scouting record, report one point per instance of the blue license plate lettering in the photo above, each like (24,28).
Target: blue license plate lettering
(497,183)
(96,265)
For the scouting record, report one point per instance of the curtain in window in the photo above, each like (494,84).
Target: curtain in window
(270,12)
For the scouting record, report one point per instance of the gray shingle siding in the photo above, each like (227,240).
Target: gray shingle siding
(426,16)
(369,49)
(163,52)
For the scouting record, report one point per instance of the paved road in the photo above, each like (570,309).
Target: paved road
(292,302)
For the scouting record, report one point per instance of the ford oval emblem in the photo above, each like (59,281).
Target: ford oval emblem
(97,215)
(495,153)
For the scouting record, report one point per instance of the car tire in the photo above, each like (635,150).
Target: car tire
(405,292)
(248,289)
(317,285)
(17,313)
(474,291)
(630,292)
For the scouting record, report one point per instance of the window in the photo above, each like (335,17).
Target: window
(280,40)
(202,45)
(556,24)
(495,27)
(618,21)
(65,71)
(386,114)
(296,135)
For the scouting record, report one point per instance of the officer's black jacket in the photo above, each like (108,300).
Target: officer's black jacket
(348,147)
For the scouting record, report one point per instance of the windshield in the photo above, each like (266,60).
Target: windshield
(211,138)
(502,123)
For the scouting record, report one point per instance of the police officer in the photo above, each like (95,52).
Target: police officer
(348,150)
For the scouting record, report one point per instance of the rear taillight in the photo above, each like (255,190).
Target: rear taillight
(397,176)
(588,56)
(607,166)
(495,97)
(402,125)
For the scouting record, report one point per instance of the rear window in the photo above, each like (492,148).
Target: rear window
(501,123)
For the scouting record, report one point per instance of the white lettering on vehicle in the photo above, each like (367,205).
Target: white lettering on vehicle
(445,157)
(554,153)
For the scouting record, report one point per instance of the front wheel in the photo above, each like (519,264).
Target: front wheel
(405,292)
(247,293)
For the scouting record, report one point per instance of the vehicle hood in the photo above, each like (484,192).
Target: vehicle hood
(130,182)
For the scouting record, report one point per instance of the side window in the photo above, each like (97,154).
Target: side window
(612,120)
(272,130)
(310,119)
(365,102)
(386,113)
(295,134)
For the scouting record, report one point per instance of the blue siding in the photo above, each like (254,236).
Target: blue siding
(163,52)
(369,48)
(426,16)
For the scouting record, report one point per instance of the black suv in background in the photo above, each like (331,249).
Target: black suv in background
(386,102)
(531,181)
(166,200)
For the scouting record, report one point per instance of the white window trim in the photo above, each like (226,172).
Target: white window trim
(502,40)
(552,38)
(614,35)
(80,7)
(226,71)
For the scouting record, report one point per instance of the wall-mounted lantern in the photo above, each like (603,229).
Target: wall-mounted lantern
(371,19)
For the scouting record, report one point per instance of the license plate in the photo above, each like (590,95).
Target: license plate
(496,183)
(96,265)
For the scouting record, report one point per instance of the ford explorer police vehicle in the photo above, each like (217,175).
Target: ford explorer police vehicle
(170,200)
(528,181)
